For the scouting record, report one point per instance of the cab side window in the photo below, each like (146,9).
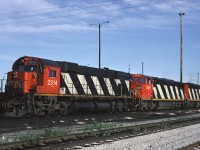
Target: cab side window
(142,80)
(52,73)
(21,68)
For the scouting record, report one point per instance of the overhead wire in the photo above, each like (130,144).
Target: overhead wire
(50,8)
(92,12)
(51,13)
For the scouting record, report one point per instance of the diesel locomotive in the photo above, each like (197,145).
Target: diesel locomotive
(38,86)
(161,93)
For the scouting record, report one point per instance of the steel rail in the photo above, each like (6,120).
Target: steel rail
(98,133)
(191,146)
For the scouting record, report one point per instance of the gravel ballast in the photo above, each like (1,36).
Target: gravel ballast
(171,139)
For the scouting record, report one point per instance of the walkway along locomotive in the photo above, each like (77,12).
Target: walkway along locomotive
(37,86)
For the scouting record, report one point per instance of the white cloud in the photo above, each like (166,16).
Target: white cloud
(77,17)
(163,7)
(23,5)
(44,29)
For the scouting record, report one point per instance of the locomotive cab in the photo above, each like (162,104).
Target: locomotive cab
(33,75)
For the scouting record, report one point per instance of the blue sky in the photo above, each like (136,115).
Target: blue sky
(139,31)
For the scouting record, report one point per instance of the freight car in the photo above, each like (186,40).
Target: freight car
(37,86)
(160,93)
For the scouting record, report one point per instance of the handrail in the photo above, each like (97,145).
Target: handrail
(2,85)
(137,92)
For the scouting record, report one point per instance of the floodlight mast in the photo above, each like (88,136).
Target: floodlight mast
(99,25)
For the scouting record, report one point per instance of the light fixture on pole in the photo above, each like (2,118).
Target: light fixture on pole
(181,49)
(99,25)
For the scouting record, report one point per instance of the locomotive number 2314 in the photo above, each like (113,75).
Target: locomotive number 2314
(52,82)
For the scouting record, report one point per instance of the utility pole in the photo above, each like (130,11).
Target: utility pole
(99,45)
(198,78)
(181,49)
(99,25)
(142,68)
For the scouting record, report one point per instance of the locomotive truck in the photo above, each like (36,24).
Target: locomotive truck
(38,86)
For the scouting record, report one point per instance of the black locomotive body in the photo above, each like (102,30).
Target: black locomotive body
(93,89)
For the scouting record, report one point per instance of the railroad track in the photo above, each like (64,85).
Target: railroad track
(16,124)
(193,146)
(88,138)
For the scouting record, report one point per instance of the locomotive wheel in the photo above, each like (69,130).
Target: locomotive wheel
(51,111)
(64,110)
(113,108)
(39,112)
(39,109)
(120,107)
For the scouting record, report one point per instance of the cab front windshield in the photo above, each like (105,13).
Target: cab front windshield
(28,68)
(141,80)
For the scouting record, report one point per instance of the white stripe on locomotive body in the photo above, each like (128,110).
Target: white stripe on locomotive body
(160,91)
(182,95)
(84,84)
(69,83)
(97,85)
(117,81)
(155,92)
(172,91)
(127,84)
(177,93)
(197,93)
(190,96)
(109,86)
(194,97)
(167,91)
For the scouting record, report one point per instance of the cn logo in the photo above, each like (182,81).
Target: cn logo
(148,87)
